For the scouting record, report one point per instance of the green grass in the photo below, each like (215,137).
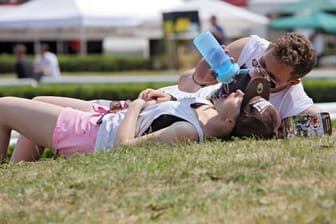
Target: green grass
(240,181)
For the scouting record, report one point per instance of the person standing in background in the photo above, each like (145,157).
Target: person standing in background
(23,67)
(217,30)
(46,63)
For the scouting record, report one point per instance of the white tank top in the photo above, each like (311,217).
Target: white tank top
(111,122)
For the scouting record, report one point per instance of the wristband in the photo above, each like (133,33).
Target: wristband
(172,98)
(200,84)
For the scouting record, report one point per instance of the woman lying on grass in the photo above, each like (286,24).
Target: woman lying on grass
(69,131)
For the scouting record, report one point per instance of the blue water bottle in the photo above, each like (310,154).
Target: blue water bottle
(216,57)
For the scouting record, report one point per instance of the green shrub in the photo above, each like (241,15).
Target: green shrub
(7,64)
(85,92)
(318,89)
(77,63)
(102,63)
(321,90)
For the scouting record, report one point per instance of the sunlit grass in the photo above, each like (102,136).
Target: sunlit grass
(240,181)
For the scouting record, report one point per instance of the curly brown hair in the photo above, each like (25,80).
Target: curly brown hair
(295,50)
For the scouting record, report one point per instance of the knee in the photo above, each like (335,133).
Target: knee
(8,102)
(45,99)
(6,99)
(39,98)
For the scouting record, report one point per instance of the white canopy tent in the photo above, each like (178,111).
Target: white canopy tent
(78,19)
(235,20)
(4,9)
(97,19)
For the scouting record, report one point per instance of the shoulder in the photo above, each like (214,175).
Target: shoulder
(50,55)
(257,38)
(258,42)
(238,43)
(235,48)
(184,130)
(251,47)
(249,39)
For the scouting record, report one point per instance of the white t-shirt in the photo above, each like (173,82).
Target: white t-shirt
(288,102)
(50,60)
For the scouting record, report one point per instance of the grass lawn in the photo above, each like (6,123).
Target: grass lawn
(240,181)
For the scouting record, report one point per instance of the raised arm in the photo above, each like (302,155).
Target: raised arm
(202,75)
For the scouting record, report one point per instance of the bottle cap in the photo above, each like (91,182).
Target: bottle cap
(228,74)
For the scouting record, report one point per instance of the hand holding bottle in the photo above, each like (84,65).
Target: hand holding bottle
(217,58)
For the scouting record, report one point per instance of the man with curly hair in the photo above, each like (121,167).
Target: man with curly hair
(283,62)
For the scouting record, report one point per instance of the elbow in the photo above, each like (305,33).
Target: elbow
(311,110)
(122,142)
(117,144)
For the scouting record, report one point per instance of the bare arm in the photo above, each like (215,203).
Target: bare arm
(191,79)
(235,48)
(66,102)
(152,94)
(311,110)
(177,132)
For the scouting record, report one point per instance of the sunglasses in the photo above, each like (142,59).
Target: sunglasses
(260,69)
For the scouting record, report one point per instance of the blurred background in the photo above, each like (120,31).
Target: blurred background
(159,29)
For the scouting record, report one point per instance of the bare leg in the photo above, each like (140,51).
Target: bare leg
(66,102)
(4,141)
(25,149)
(33,119)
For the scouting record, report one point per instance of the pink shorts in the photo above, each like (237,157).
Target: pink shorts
(75,132)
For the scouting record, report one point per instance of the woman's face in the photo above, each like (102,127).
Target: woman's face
(229,106)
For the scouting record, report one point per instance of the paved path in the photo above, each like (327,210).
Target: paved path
(322,73)
(91,79)
(328,107)
(173,77)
